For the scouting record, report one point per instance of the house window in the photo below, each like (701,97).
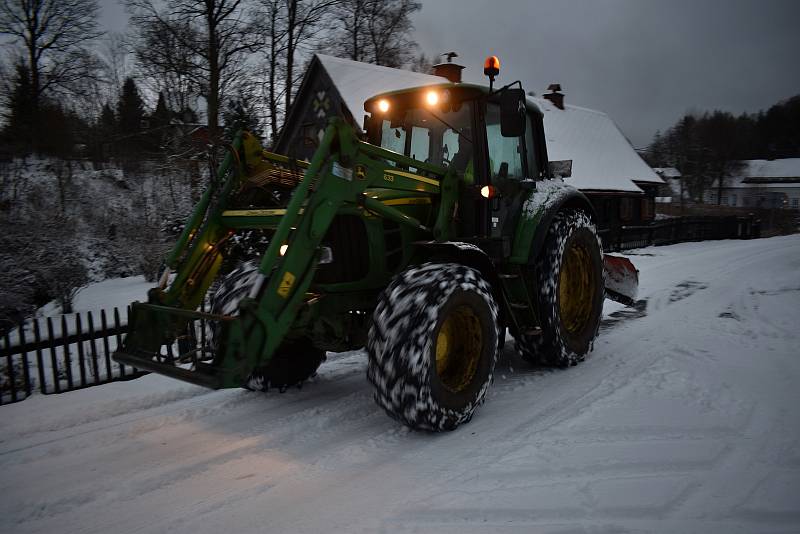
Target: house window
(733,200)
(795,203)
(626,209)
(725,200)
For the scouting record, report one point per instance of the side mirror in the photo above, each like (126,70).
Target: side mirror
(561,168)
(512,113)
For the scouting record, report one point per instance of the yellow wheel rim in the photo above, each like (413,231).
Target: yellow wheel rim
(458,348)
(576,288)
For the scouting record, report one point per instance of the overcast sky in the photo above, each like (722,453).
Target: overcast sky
(644,62)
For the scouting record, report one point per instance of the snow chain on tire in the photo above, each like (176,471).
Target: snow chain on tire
(292,363)
(556,345)
(405,338)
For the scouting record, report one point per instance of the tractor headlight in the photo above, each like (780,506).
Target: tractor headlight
(432,98)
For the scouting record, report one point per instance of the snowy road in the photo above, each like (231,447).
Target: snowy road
(683,419)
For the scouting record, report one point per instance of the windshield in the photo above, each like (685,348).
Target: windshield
(437,137)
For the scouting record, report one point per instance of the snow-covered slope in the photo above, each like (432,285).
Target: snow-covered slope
(683,419)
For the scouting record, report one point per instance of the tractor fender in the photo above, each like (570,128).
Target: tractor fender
(538,211)
(466,254)
(459,252)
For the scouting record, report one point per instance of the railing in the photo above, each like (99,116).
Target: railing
(678,230)
(59,355)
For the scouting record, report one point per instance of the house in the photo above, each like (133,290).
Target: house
(761,184)
(334,86)
(670,191)
(621,186)
(605,166)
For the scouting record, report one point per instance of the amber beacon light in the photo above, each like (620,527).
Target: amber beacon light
(491,68)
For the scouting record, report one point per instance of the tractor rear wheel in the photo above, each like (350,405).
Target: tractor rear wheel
(568,286)
(433,345)
(295,360)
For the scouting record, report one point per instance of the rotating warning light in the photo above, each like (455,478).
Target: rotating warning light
(432,98)
(383,105)
(488,191)
(491,66)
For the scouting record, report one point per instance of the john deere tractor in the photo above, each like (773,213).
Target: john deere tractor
(422,240)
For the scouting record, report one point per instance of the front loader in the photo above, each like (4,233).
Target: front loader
(422,241)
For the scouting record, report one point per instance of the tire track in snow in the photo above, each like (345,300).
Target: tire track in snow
(247,466)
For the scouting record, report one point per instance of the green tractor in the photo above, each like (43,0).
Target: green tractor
(423,241)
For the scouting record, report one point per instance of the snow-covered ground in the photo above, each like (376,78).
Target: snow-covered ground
(683,419)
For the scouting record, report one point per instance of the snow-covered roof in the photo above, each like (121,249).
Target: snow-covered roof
(776,168)
(667,172)
(357,81)
(602,158)
(762,173)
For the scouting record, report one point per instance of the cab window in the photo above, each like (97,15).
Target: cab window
(433,136)
(505,153)
(393,139)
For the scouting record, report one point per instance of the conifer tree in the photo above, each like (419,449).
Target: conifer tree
(130,109)
(20,109)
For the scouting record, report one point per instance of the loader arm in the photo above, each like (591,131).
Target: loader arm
(339,175)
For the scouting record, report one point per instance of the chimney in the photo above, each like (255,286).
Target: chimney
(555,96)
(449,70)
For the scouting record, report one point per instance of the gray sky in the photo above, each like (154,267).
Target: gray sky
(644,62)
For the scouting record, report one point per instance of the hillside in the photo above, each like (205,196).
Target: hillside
(71,222)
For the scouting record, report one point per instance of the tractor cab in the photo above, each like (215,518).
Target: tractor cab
(493,140)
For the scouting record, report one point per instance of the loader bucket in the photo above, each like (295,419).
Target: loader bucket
(622,279)
(173,342)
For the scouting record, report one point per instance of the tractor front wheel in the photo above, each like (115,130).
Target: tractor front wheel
(433,345)
(567,283)
(293,362)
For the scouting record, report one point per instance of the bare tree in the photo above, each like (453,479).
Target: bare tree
(53,33)
(115,53)
(303,23)
(168,65)
(274,51)
(221,34)
(291,29)
(424,64)
(389,26)
(377,31)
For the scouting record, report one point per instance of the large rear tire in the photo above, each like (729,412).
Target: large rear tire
(295,360)
(568,280)
(433,345)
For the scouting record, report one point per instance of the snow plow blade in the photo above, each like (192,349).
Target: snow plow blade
(622,279)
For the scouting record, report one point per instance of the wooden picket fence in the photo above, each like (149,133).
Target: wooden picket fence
(54,356)
(58,355)
(679,230)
